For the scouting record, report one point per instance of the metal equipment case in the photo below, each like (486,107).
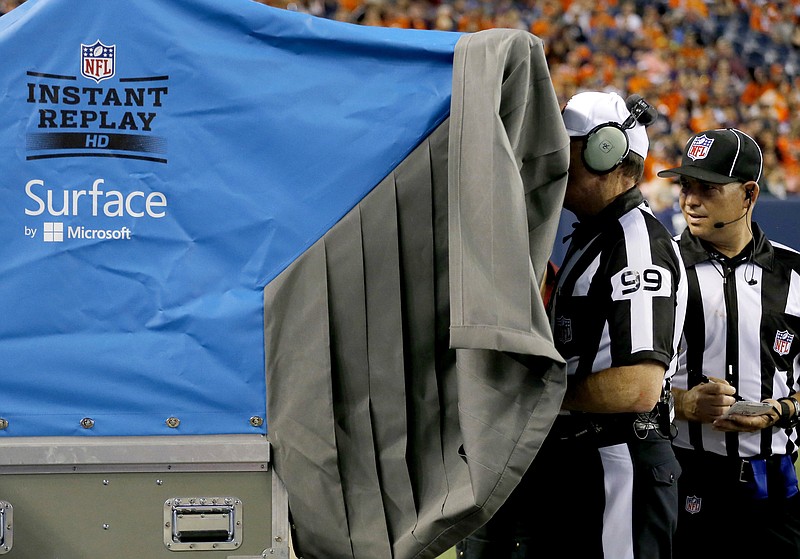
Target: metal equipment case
(141,497)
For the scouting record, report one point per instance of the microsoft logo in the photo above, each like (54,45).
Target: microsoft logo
(53,232)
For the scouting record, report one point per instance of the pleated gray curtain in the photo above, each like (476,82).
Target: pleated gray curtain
(411,375)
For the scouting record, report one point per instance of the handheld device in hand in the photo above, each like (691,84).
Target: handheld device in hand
(748,408)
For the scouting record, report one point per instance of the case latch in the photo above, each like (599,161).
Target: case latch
(202,523)
(6,527)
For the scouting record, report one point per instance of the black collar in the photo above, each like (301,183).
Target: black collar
(694,251)
(588,228)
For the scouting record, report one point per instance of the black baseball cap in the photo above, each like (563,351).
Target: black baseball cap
(719,156)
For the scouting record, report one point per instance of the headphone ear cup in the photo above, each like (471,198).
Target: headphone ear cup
(606,146)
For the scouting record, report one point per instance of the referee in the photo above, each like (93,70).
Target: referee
(738,493)
(604,483)
(617,316)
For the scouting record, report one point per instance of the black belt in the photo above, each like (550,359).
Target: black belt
(605,429)
(759,474)
(730,466)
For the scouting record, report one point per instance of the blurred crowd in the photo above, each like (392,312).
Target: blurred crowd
(8,5)
(703,63)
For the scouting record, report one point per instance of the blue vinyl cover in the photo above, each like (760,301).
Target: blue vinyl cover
(161,161)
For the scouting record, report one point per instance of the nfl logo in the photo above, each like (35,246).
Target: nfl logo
(699,147)
(693,504)
(783,342)
(564,329)
(97,61)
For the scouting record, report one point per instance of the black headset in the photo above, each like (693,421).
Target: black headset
(607,145)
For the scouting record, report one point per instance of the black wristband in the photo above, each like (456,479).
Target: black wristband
(787,420)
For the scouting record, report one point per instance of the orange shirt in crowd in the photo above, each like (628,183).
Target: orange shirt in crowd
(697,6)
(638,83)
(703,119)
(671,100)
(350,5)
(754,90)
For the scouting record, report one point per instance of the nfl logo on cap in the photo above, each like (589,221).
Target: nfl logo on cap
(699,147)
(735,157)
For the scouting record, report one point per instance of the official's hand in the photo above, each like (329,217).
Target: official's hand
(749,423)
(708,401)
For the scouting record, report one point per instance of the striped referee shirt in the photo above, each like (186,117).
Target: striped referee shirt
(741,325)
(619,291)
